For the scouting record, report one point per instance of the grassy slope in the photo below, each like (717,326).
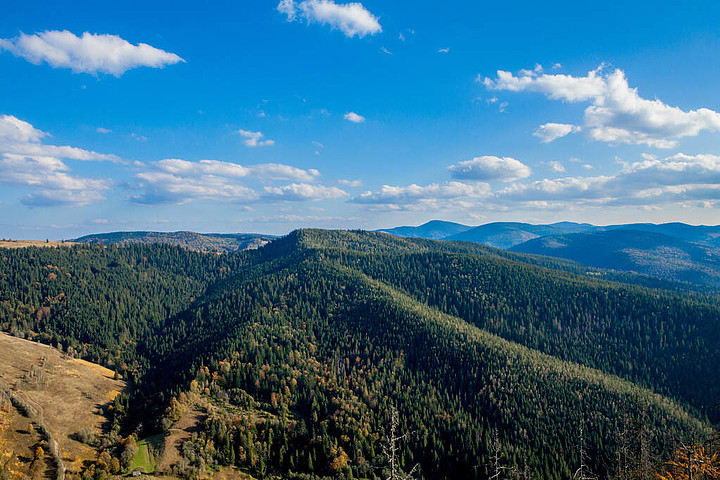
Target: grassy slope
(69,393)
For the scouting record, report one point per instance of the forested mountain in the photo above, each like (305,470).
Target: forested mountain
(299,352)
(638,251)
(674,252)
(434,229)
(215,242)
(683,231)
(508,234)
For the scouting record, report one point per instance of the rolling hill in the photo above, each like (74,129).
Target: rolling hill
(683,231)
(508,234)
(215,242)
(434,229)
(644,252)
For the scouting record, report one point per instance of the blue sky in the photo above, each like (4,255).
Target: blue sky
(267,116)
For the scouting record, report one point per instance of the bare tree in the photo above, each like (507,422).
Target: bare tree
(496,467)
(583,472)
(643,466)
(623,469)
(391,451)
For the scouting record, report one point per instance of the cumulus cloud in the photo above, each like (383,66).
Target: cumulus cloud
(255,139)
(90,53)
(354,117)
(552,131)
(303,192)
(617,113)
(177,181)
(14,130)
(266,171)
(161,187)
(27,162)
(50,181)
(353,19)
(650,181)
(490,168)
(19,137)
(416,197)
(350,183)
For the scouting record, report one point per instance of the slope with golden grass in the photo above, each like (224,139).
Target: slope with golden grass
(32,243)
(65,395)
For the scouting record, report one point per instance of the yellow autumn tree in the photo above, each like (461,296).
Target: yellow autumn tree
(692,463)
(340,461)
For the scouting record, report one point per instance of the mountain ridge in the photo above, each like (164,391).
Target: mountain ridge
(218,242)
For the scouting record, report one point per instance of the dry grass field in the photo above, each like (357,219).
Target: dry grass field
(32,243)
(67,395)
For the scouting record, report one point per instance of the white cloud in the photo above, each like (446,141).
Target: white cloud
(617,113)
(353,19)
(556,166)
(552,131)
(303,192)
(167,188)
(14,130)
(350,183)
(176,181)
(557,87)
(676,178)
(265,171)
(443,50)
(89,53)
(254,139)
(50,181)
(103,130)
(27,162)
(490,168)
(409,31)
(416,197)
(20,137)
(354,117)
(385,51)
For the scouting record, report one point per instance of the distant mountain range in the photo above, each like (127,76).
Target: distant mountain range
(507,234)
(637,251)
(433,230)
(213,242)
(670,251)
(674,252)
(499,234)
